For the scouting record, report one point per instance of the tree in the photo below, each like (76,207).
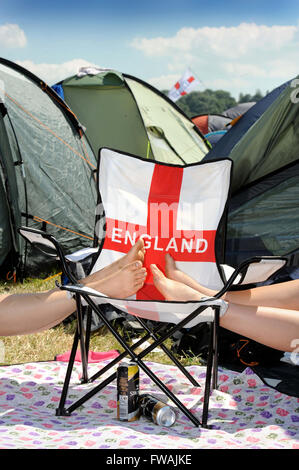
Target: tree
(247,98)
(212,101)
(205,102)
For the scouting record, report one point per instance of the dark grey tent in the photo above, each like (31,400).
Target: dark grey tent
(46,170)
(262,220)
(263,214)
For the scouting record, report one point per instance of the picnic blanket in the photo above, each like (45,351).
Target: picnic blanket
(244,412)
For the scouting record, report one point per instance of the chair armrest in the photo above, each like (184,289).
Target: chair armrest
(262,270)
(80,261)
(252,271)
(82,254)
(40,240)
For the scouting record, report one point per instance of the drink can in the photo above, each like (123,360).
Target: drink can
(128,391)
(156,410)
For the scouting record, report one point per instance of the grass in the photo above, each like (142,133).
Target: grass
(44,346)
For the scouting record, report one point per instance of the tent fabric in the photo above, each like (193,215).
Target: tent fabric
(202,122)
(262,215)
(10,212)
(238,110)
(59,90)
(108,112)
(271,142)
(5,238)
(216,122)
(122,112)
(47,164)
(172,136)
(214,137)
(263,218)
(211,122)
(243,125)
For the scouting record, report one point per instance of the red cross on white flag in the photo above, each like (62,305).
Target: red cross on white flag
(161,234)
(187,83)
(175,209)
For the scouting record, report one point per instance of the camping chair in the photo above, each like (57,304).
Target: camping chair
(197,195)
(50,246)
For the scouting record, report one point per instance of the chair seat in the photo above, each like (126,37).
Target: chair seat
(159,311)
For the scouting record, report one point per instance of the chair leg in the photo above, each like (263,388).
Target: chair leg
(215,349)
(84,357)
(60,411)
(142,365)
(88,329)
(169,394)
(170,355)
(153,377)
(210,362)
(121,356)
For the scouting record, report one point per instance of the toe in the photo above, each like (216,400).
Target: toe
(135,265)
(157,274)
(170,265)
(169,261)
(141,274)
(139,285)
(140,244)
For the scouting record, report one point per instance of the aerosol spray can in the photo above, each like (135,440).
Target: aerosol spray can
(128,391)
(156,410)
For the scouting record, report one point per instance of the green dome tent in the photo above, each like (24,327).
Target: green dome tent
(124,113)
(46,170)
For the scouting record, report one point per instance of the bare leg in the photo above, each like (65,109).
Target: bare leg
(283,295)
(29,313)
(273,327)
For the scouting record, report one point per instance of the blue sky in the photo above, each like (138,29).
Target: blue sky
(237,46)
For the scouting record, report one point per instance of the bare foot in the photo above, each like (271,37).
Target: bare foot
(171,289)
(136,253)
(174,273)
(124,282)
(171,270)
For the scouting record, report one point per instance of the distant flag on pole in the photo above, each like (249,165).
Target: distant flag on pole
(186,84)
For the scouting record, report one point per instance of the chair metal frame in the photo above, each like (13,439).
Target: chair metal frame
(82,337)
(159,333)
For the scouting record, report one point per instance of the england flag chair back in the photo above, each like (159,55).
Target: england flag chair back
(175,209)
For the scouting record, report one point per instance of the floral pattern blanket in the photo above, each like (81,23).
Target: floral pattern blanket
(244,412)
